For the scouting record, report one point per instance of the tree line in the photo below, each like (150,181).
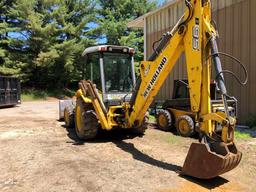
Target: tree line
(41,41)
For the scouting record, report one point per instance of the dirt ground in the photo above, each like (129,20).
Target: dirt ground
(39,154)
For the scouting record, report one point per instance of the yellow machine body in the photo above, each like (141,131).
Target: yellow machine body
(198,74)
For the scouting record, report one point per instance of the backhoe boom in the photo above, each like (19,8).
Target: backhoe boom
(188,36)
(196,37)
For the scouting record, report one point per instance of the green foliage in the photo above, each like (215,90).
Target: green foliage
(41,41)
(51,37)
(136,40)
(7,71)
(113,17)
(37,94)
(32,95)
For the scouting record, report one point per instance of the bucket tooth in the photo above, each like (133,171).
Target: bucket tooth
(206,161)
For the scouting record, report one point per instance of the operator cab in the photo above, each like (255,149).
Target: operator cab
(111,69)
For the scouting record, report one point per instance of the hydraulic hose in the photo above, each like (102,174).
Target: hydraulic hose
(218,68)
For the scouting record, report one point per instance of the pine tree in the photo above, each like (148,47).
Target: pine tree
(113,16)
(41,41)
(51,37)
(8,53)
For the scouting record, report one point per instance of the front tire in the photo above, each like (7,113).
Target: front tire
(164,120)
(69,117)
(86,121)
(185,126)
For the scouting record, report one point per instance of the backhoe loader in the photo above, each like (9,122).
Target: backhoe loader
(109,100)
(175,113)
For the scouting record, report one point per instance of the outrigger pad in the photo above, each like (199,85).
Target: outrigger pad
(206,161)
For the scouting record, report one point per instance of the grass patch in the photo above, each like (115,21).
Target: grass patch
(152,118)
(241,135)
(33,94)
(171,139)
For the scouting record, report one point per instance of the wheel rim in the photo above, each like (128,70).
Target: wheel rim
(162,121)
(184,127)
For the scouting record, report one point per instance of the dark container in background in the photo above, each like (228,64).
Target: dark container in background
(9,91)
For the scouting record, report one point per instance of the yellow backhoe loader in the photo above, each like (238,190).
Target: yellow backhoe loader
(107,101)
(175,113)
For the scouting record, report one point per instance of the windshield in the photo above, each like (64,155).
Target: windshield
(118,72)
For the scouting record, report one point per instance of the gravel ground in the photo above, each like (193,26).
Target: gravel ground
(39,154)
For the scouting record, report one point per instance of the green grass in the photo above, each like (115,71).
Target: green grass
(33,94)
(172,139)
(152,118)
(241,135)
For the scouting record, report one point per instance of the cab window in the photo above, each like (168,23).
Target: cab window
(118,72)
(92,69)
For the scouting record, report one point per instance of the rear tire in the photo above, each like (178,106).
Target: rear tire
(185,126)
(86,121)
(69,117)
(164,120)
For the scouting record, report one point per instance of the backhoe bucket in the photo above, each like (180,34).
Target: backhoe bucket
(206,161)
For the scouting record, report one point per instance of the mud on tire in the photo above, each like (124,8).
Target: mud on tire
(86,121)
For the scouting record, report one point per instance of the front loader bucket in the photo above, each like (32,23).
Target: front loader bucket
(206,161)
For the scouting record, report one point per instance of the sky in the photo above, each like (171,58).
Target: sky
(160,2)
